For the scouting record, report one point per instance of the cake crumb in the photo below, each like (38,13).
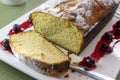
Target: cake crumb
(66,76)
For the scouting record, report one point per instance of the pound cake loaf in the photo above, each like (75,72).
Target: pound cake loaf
(35,51)
(66,22)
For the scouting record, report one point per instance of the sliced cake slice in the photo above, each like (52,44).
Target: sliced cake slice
(59,31)
(34,50)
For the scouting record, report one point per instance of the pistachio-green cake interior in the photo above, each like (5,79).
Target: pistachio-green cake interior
(31,44)
(59,31)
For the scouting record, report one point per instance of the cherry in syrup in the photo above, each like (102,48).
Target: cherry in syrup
(16,28)
(107,36)
(117,32)
(5,43)
(117,24)
(88,63)
(103,46)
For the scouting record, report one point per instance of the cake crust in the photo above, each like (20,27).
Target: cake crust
(56,69)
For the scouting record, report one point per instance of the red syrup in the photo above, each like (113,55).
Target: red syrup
(104,47)
(6,49)
(25,25)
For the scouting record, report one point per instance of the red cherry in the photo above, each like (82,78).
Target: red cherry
(118,24)
(16,28)
(5,43)
(108,36)
(106,48)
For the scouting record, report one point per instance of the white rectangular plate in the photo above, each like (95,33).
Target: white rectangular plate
(108,66)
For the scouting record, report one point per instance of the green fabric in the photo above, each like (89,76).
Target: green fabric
(9,73)
(7,15)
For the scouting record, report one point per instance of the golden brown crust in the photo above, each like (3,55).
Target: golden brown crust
(48,69)
(100,25)
(105,4)
(93,13)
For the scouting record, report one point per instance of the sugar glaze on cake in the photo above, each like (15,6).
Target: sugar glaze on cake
(79,12)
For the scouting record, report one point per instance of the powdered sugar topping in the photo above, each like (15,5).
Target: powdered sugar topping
(72,10)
